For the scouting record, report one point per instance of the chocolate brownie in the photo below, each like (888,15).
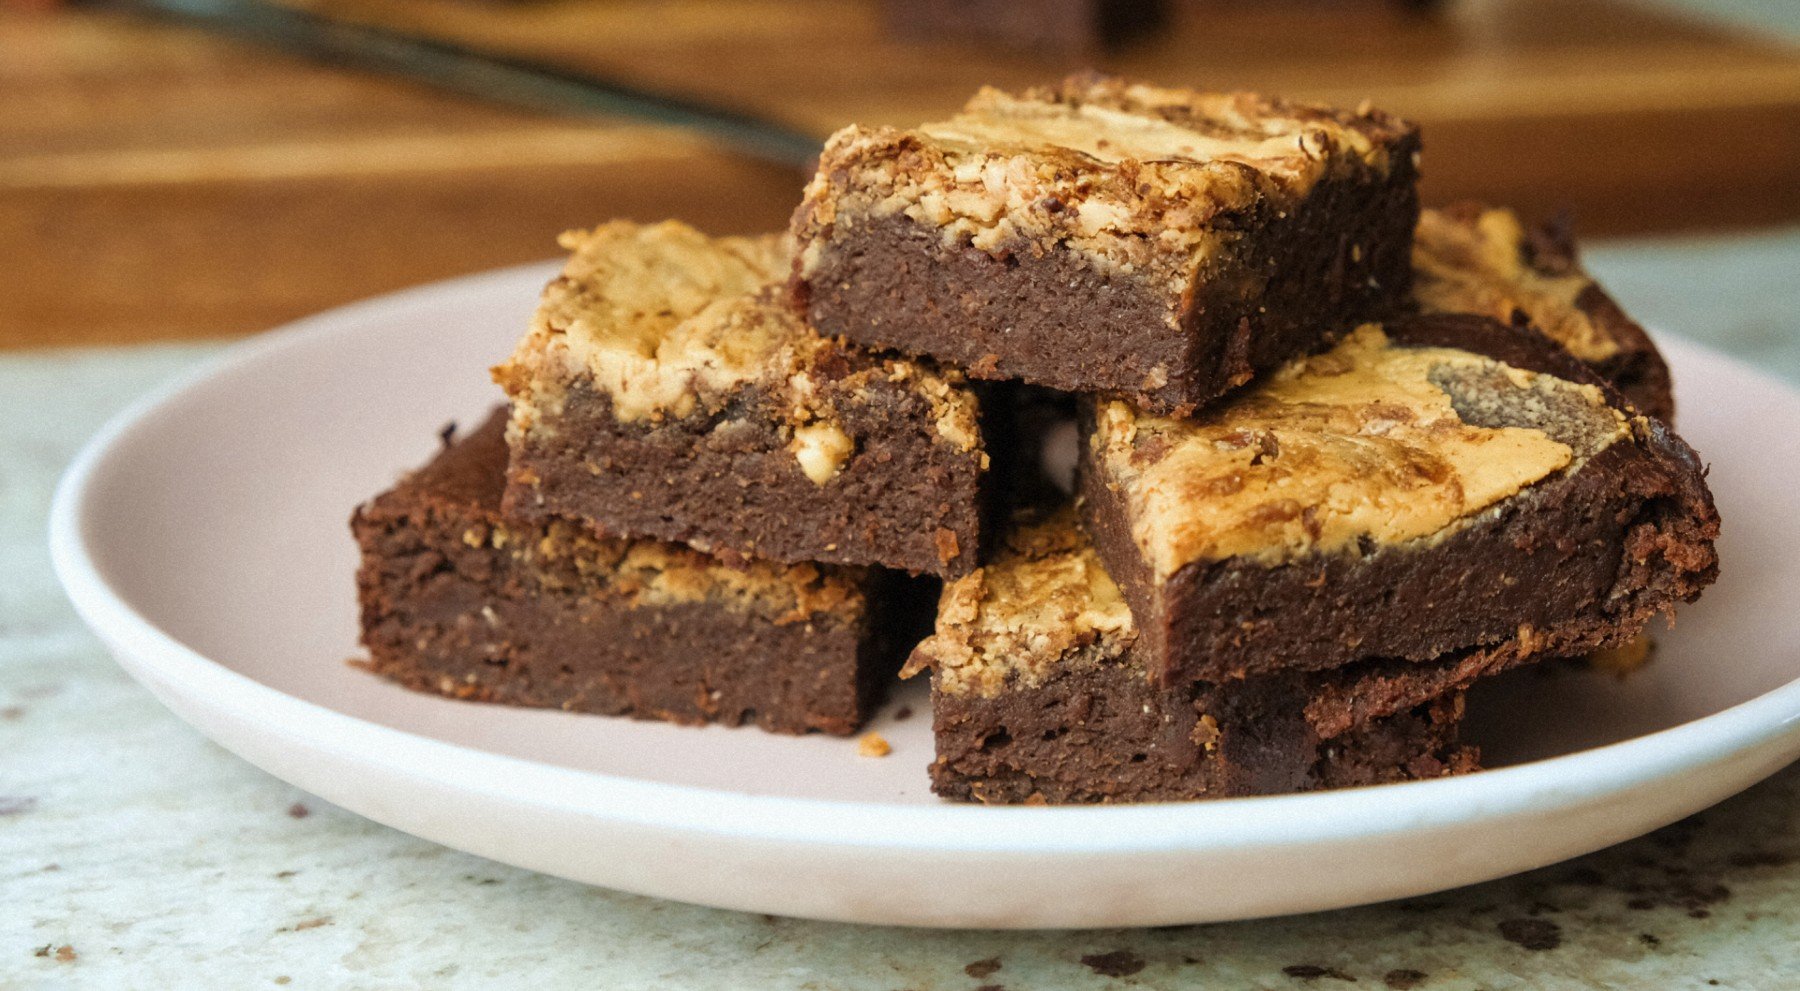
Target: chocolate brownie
(666,389)
(1103,236)
(1468,258)
(459,598)
(1041,693)
(1443,485)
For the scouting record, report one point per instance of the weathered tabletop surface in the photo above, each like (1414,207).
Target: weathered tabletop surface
(133,853)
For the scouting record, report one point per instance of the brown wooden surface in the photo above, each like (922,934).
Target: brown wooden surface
(156,182)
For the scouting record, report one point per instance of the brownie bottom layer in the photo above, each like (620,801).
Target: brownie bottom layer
(684,664)
(1105,734)
(456,600)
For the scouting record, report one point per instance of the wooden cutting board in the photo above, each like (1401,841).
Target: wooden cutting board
(156,182)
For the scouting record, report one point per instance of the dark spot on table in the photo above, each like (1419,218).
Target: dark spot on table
(1649,939)
(991,987)
(1532,934)
(16,805)
(1313,972)
(12,713)
(1118,963)
(314,923)
(64,953)
(1587,877)
(982,968)
(283,875)
(903,713)
(1760,858)
(1403,980)
(298,811)
(1699,913)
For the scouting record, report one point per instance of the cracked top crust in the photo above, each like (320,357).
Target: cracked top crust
(1473,259)
(1367,444)
(1043,604)
(669,323)
(1123,170)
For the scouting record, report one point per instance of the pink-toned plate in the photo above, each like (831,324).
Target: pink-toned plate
(202,535)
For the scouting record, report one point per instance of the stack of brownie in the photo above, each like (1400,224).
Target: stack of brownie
(1337,460)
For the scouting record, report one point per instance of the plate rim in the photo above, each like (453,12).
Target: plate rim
(1268,822)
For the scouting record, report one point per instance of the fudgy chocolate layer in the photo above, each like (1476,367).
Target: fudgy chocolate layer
(728,483)
(1054,318)
(1580,561)
(448,608)
(1105,734)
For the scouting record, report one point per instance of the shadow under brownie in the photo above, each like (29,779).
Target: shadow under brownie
(461,599)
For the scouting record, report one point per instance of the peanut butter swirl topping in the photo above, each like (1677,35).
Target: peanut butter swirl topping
(1367,444)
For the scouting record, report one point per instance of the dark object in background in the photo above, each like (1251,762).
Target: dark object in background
(1071,27)
(1064,27)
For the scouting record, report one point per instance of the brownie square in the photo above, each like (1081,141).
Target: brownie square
(1110,237)
(667,389)
(1440,485)
(1041,694)
(1468,258)
(461,599)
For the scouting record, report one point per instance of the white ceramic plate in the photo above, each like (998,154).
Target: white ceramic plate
(203,537)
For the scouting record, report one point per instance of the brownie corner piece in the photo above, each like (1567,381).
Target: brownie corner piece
(1472,258)
(667,389)
(460,599)
(1436,486)
(1104,236)
(1040,695)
